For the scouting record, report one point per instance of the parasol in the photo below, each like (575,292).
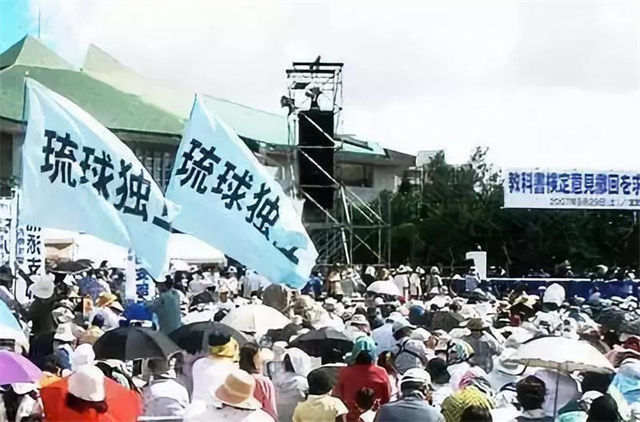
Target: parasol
(10,328)
(384,287)
(317,342)
(562,354)
(194,337)
(129,343)
(73,267)
(124,405)
(16,368)
(256,319)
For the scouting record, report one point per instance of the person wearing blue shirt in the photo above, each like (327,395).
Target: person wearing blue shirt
(313,286)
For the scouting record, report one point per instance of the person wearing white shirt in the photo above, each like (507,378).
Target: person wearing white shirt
(211,371)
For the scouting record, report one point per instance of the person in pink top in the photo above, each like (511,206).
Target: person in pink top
(265,393)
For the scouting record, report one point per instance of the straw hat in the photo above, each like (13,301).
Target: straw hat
(87,383)
(105,299)
(43,286)
(237,391)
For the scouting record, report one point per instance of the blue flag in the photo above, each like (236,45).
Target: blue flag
(230,201)
(77,175)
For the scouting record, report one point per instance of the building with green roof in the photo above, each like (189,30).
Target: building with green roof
(150,117)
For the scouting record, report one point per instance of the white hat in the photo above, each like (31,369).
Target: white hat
(62,315)
(87,383)
(416,375)
(503,365)
(64,333)
(43,286)
(421,334)
(400,324)
(83,355)
(22,388)
(378,301)
(554,294)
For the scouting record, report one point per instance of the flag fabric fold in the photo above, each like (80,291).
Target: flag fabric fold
(77,175)
(230,201)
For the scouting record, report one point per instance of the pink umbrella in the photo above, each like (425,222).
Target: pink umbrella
(16,368)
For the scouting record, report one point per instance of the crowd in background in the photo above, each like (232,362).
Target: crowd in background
(352,345)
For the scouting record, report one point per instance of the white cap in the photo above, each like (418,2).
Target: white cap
(416,375)
(400,324)
(87,383)
(83,355)
(421,334)
(43,286)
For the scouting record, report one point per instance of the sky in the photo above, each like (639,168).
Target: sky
(541,84)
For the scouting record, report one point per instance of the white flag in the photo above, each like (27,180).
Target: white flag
(230,201)
(77,175)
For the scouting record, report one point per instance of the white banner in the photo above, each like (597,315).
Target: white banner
(230,201)
(138,282)
(572,189)
(79,176)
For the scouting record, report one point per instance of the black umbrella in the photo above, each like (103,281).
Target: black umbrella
(331,370)
(72,267)
(129,343)
(194,337)
(319,342)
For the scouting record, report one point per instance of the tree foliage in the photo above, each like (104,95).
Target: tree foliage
(459,208)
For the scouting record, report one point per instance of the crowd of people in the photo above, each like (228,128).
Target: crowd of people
(376,345)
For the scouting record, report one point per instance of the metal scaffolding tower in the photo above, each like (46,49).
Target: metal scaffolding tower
(350,223)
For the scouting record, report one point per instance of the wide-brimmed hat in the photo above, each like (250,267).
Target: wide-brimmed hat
(237,391)
(43,286)
(475,324)
(502,364)
(105,299)
(87,383)
(64,333)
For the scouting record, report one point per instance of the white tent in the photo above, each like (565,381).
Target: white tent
(182,247)
(187,248)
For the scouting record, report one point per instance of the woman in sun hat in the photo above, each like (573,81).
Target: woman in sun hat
(88,396)
(108,306)
(232,401)
(40,312)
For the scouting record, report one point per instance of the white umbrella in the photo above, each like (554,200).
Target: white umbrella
(562,354)
(384,287)
(257,319)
